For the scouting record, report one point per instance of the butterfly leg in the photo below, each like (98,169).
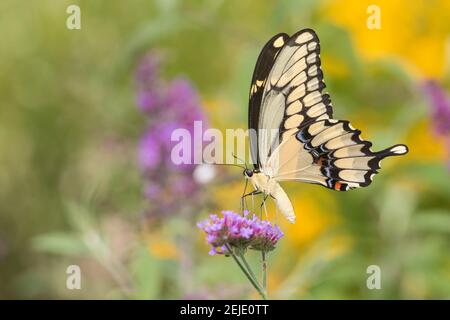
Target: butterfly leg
(255,192)
(253,202)
(243,200)
(276,210)
(263,204)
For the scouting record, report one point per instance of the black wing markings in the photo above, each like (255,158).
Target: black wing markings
(264,65)
(345,160)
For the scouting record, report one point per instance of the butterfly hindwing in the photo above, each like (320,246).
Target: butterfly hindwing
(338,157)
(344,159)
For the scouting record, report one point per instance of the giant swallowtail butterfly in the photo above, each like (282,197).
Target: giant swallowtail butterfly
(308,145)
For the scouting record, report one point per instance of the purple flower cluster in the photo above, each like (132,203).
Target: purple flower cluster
(167,106)
(440,107)
(239,231)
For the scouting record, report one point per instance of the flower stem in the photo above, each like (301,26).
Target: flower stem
(253,281)
(249,269)
(264,271)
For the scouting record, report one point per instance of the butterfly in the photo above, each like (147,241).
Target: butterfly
(293,134)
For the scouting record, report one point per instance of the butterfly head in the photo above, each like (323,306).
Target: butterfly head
(248,173)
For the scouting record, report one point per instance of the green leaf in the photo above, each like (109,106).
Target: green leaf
(146,273)
(433,174)
(433,220)
(59,243)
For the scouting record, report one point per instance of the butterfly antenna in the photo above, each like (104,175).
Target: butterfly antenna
(234,156)
(229,164)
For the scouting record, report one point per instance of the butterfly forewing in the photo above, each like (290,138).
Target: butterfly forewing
(292,93)
(263,67)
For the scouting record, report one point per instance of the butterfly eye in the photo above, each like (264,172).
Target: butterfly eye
(248,172)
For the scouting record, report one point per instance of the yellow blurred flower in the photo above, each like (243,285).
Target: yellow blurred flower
(340,244)
(160,247)
(424,145)
(335,67)
(228,196)
(273,280)
(415,31)
(221,113)
(312,217)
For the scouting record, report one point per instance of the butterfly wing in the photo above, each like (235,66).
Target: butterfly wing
(263,67)
(293,85)
(297,137)
(330,153)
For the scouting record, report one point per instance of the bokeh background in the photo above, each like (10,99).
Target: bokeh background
(85,117)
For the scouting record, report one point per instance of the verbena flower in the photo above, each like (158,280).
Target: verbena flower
(149,151)
(148,83)
(147,72)
(167,106)
(440,111)
(240,232)
(440,107)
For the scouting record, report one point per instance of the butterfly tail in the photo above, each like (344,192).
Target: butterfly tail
(396,150)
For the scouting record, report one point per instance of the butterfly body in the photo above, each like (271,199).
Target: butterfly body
(270,187)
(296,137)
(262,182)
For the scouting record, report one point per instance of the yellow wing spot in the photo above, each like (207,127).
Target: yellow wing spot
(279,42)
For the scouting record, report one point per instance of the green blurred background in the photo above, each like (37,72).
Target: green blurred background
(71,189)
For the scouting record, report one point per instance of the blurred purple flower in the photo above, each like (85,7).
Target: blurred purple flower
(149,84)
(152,190)
(147,72)
(147,100)
(181,96)
(168,106)
(184,185)
(440,106)
(149,151)
(240,232)
(178,102)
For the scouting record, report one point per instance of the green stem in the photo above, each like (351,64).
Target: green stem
(249,269)
(247,274)
(264,271)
